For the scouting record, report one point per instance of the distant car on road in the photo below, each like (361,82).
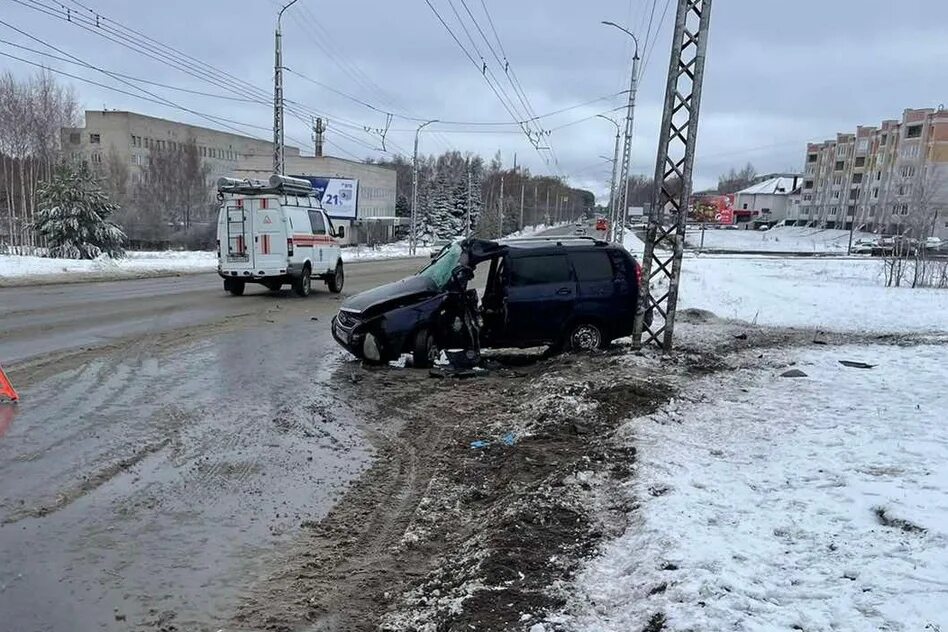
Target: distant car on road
(580,231)
(601,224)
(573,293)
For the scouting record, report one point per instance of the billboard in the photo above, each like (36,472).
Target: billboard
(714,209)
(339,196)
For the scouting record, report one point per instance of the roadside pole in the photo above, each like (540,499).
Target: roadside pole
(412,237)
(522,187)
(500,229)
(467,223)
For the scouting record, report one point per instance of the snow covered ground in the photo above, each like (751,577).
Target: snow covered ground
(827,294)
(779,239)
(817,503)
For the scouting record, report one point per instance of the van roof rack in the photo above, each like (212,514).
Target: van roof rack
(276,184)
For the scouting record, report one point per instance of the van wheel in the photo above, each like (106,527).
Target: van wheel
(234,286)
(338,278)
(425,351)
(304,285)
(585,337)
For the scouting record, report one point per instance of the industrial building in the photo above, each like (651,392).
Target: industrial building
(891,179)
(768,202)
(130,137)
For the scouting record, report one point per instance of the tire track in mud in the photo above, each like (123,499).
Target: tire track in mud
(89,484)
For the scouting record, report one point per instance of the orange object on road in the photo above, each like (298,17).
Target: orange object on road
(6,389)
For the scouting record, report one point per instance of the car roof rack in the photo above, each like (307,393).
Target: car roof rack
(558,239)
(285,185)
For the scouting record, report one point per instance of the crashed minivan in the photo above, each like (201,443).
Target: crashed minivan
(563,292)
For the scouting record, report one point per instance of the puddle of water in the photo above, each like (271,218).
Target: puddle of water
(140,484)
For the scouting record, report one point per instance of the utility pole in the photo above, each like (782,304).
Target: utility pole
(467,223)
(623,182)
(500,231)
(548,218)
(279,156)
(673,167)
(319,129)
(522,187)
(412,237)
(610,227)
(536,201)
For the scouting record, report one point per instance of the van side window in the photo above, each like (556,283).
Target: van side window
(317,222)
(592,265)
(538,270)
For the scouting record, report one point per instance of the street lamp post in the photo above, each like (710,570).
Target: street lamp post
(412,237)
(622,193)
(612,185)
(279,156)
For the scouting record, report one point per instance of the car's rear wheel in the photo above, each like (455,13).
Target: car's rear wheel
(304,284)
(425,350)
(585,336)
(337,280)
(234,286)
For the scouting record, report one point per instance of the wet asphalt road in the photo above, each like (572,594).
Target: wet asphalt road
(169,438)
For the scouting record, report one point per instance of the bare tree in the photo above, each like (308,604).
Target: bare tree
(734,181)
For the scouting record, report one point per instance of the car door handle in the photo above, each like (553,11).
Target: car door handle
(564,291)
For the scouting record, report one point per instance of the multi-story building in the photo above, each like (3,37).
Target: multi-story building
(891,179)
(129,137)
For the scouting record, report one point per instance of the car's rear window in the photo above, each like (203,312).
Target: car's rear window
(538,269)
(592,265)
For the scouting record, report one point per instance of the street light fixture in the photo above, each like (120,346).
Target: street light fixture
(613,212)
(412,237)
(622,183)
(279,155)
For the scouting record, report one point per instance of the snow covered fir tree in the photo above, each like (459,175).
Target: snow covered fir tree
(73,215)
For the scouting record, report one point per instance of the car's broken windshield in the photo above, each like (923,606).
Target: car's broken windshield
(441,268)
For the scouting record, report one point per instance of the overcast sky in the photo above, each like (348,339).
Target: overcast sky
(779,74)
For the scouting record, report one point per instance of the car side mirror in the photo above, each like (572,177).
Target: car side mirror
(341,232)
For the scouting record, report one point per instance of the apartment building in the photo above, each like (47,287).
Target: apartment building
(130,138)
(891,179)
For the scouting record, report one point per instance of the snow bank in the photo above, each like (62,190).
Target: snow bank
(13,267)
(777,504)
(829,294)
(779,239)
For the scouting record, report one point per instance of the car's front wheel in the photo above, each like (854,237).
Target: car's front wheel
(425,350)
(585,336)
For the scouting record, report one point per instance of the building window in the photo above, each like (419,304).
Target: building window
(860,162)
(835,195)
(851,210)
(903,189)
(811,157)
(745,207)
(907,171)
(913,131)
(807,197)
(837,180)
(95,139)
(857,178)
(840,150)
(833,210)
(854,194)
(863,144)
(878,175)
(875,193)
(75,138)
(910,151)
(882,140)
(808,184)
(839,165)
(96,159)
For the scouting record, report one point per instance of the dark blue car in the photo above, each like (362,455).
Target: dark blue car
(574,293)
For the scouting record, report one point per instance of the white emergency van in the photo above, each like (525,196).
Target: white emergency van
(275,233)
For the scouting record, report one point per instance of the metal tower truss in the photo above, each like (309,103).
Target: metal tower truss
(661,265)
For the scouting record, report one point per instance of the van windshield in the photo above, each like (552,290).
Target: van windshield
(439,271)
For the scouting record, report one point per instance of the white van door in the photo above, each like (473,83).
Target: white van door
(237,245)
(269,237)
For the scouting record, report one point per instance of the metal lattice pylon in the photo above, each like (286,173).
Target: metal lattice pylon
(676,149)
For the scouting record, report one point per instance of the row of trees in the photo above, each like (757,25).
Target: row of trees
(462,194)
(33,112)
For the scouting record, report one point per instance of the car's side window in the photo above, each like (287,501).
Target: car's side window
(592,265)
(329,225)
(538,269)
(317,222)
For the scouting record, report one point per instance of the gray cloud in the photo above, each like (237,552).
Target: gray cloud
(778,74)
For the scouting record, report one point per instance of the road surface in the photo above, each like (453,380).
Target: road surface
(169,439)
(169,436)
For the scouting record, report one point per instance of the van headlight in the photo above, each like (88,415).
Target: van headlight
(370,348)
